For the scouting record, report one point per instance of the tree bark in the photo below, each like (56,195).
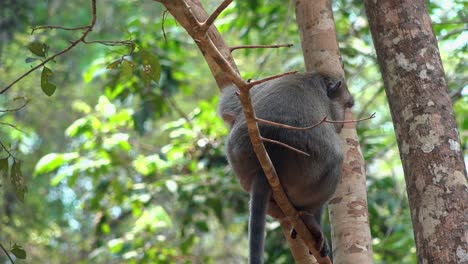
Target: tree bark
(349,217)
(425,127)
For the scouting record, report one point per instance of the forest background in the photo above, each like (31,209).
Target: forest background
(121,169)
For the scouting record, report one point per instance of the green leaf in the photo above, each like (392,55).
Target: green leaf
(47,87)
(29,60)
(17,179)
(126,70)
(38,48)
(151,65)
(52,161)
(18,251)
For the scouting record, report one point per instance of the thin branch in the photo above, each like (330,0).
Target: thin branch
(164,15)
(13,126)
(209,22)
(72,45)
(285,145)
(252,84)
(451,33)
(6,253)
(462,21)
(26,101)
(456,94)
(176,107)
(370,101)
(274,46)
(288,126)
(58,27)
(352,120)
(110,42)
(7,151)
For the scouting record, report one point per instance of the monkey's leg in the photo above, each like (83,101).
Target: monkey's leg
(310,220)
(260,196)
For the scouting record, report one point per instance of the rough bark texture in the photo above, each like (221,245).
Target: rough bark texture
(425,128)
(351,238)
(348,209)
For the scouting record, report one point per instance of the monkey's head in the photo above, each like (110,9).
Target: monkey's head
(340,98)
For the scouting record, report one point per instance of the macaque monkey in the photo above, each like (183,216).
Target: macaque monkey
(298,100)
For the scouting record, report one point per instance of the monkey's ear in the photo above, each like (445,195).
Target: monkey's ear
(333,87)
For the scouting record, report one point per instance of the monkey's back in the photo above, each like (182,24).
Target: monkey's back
(298,100)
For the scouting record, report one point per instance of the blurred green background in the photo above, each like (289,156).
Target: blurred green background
(122,169)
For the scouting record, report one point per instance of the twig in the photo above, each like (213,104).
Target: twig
(288,126)
(252,84)
(370,101)
(176,107)
(57,27)
(26,101)
(209,22)
(233,48)
(6,253)
(13,126)
(285,145)
(162,24)
(7,151)
(72,45)
(352,120)
(110,42)
(451,33)
(456,94)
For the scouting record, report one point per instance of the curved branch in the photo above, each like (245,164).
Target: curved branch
(89,28)
(6,253)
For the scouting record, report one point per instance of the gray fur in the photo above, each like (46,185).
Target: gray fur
(298,100)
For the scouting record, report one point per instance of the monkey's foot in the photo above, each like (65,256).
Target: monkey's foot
(322,244)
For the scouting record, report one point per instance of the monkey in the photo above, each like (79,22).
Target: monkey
(299,100)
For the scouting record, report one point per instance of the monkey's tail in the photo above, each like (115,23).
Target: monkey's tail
(260,196)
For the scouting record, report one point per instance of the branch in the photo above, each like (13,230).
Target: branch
(252,84)
(13,126)
(72,45)
(26,101)
(209,22)
(6,149)
(290,127)
(110,42)
(82,39)
(57,27)
(6,253)
(351,120)
(285,145)
(274,46)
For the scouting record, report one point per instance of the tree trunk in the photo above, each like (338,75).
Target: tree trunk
(349,217)
(425,128)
